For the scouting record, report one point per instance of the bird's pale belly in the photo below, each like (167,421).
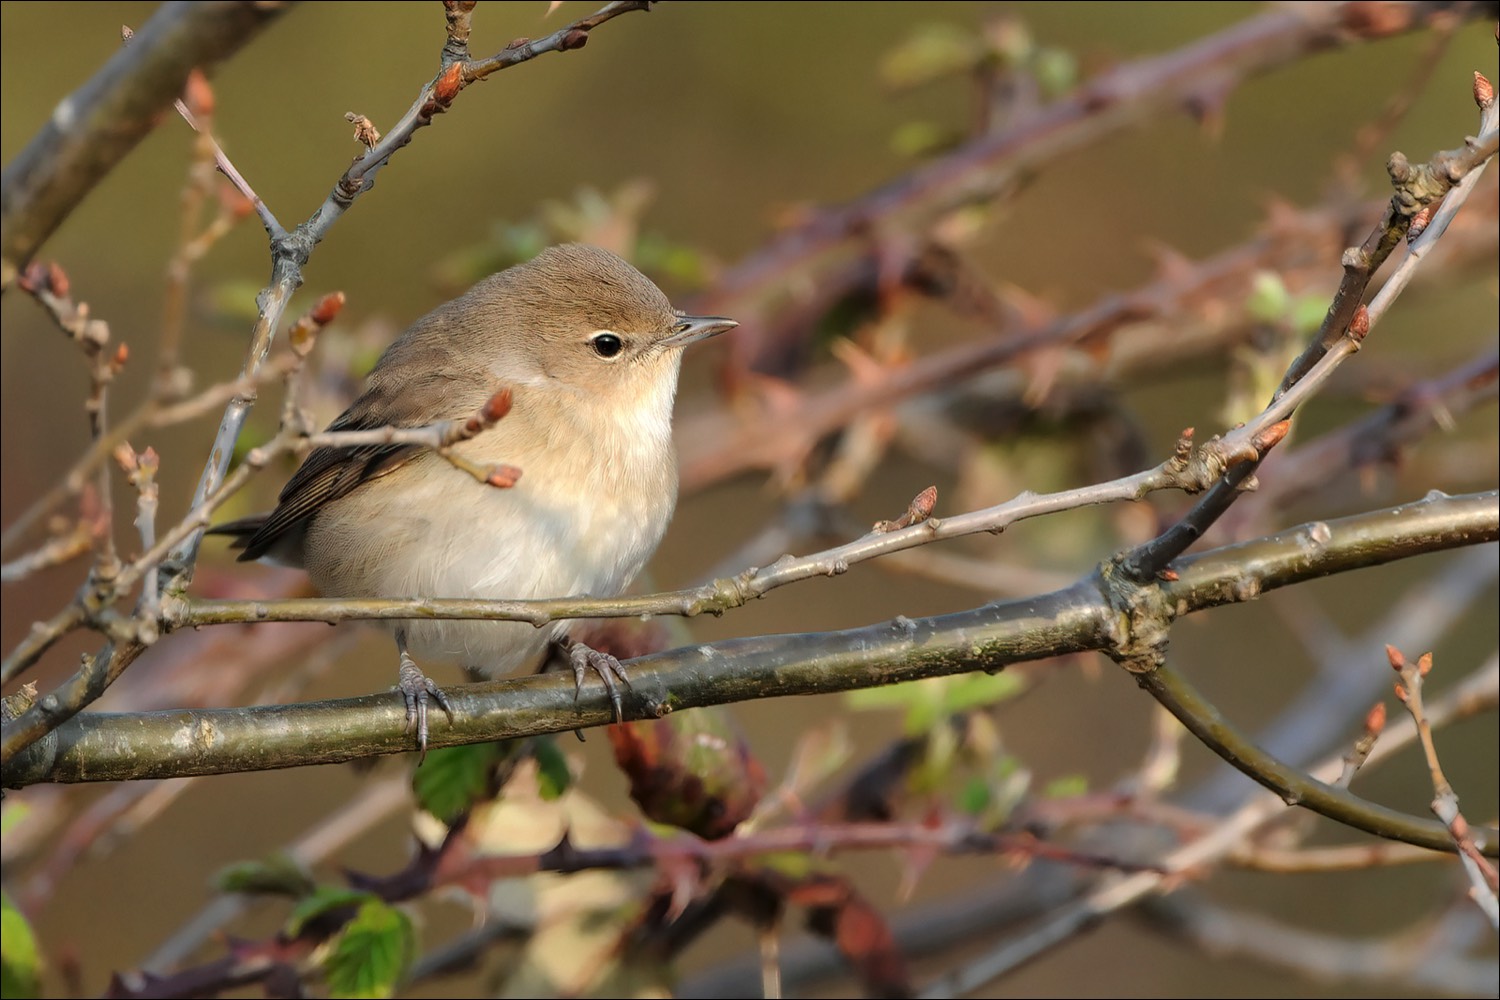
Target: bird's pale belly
(427,541)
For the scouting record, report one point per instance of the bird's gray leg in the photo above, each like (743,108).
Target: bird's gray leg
(418,689)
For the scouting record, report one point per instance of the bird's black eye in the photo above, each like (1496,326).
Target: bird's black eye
(607,345)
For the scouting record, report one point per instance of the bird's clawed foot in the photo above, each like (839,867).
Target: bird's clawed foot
(610,670)
(419,690)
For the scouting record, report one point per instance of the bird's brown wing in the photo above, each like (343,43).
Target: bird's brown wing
(442,391)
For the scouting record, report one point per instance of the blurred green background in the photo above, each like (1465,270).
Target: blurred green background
(736,113)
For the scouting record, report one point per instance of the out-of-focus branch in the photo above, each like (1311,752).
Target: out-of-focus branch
(1123,334)
(837,250)
(1478,692)
(1429,955)
(93,128)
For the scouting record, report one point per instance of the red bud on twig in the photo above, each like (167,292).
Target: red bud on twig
(919,510)
(1420,221)
(1271,436)
(198,95)
(449,84)
(1359,326)
(327,309)
(1484,91)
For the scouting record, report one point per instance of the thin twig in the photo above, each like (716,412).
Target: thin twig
(1483,879)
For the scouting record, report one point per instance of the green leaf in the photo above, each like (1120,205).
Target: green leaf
(877,699)
(924,138)
(233,302)
(1308,312)
(1068,786)
(1056,70)
(974,798)
(279,875)
(932,52)
(20,965)
(686,265)
(11,816)
(373,954)
(322,900)
(966,691)
(1269,300)
(454,779)
(553,775)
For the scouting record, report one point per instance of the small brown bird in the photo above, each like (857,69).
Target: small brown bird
(590,350)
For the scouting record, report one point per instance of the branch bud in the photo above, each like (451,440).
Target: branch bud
(1375,720)
(126,458)
(1359,326)
(365,132)
(1484,91)
(1398,662)
(1271,436)
(198,95)
(1420,221)
(449,84)
(328,308)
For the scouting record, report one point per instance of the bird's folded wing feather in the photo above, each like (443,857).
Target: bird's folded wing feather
(391,400)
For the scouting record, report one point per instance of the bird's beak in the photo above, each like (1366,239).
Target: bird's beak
(691,329)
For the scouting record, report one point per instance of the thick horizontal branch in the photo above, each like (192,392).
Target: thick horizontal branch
(93,128)
(113,747)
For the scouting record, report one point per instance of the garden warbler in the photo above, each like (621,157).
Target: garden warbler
(590,350)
